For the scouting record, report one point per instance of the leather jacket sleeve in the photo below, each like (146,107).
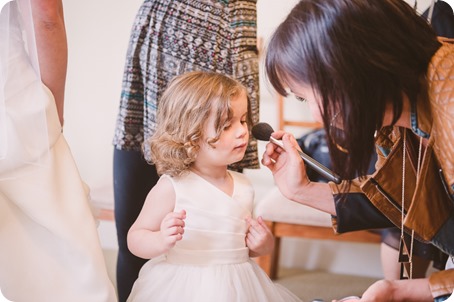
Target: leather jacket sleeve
(442,283)
(355,212)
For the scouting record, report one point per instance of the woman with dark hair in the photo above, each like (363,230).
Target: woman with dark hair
(377,76)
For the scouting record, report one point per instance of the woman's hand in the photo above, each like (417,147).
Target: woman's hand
(286,165)
(290,175)
(397,290)
(259,238)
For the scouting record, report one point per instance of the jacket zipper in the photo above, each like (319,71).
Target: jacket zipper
(387,196)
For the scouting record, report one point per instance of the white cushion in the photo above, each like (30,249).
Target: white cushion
(275,207)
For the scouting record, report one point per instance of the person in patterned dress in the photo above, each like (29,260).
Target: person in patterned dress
(169,38)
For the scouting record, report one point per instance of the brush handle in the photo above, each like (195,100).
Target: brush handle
(318,167)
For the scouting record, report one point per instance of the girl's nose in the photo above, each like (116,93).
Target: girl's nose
(242,130)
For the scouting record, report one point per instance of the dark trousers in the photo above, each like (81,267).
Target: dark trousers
(133,178)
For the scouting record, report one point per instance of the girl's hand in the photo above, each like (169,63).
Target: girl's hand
(172,228)
(259,239)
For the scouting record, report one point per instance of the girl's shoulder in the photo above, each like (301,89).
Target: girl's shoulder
(165,184)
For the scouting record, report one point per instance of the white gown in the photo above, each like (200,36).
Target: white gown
(211,262)
(49,245)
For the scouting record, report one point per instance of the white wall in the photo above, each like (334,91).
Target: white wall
(98,33)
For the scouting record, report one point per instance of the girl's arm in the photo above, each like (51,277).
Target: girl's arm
(157,228)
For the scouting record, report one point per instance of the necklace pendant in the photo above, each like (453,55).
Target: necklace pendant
(403,252)
(403,272)
(404,259)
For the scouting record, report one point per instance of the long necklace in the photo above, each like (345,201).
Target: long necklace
(406,256)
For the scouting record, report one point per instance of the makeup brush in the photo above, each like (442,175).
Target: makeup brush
(262,131)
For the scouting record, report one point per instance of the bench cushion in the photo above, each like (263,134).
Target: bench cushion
(275,207)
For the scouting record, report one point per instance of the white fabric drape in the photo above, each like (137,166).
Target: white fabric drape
(49,245)
(23,124)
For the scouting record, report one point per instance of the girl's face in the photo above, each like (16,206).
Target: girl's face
(233,141)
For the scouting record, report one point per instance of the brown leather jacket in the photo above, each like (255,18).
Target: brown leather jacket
(375,202)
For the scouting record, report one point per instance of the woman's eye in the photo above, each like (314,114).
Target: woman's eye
(243,122)
(300,99)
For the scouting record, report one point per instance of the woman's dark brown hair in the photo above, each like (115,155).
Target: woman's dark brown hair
(358,55)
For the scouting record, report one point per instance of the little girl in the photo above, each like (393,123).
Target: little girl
(196,222)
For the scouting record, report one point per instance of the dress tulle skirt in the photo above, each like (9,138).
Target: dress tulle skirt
(245,282)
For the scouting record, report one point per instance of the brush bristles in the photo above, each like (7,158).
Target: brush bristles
(262,131)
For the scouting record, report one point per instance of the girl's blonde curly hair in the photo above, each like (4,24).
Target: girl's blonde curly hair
(183,112)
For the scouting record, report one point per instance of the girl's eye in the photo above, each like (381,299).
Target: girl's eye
(227,126)
(244,122)
(300,99)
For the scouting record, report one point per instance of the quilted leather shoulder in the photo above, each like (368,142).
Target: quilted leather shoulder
(441,89)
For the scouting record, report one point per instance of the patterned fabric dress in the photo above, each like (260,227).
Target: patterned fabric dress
(169,38)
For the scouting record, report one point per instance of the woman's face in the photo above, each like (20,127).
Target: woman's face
(305,93)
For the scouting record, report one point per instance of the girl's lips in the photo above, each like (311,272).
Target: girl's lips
(241,146)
